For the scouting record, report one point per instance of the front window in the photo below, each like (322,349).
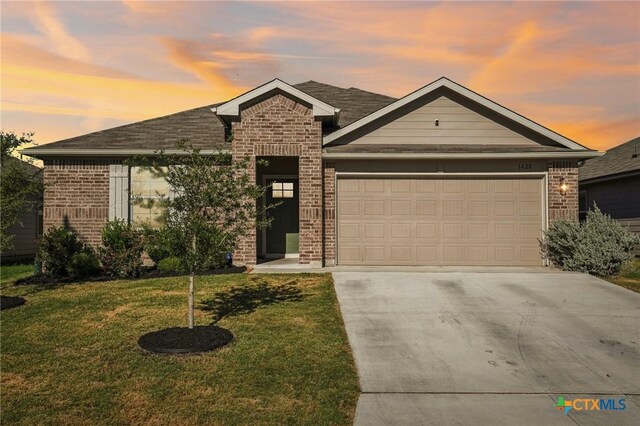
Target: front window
(146,192)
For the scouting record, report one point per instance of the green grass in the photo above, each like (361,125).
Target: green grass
(629,277)
(9,273)
(69,356)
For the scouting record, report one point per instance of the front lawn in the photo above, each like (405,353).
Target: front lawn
(69,355)
(10,273)
(629,277)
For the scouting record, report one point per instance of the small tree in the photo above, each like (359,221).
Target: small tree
(18,183)
(213,204)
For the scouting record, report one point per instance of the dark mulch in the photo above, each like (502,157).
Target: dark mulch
(45,280)
(182,340)
(8,302)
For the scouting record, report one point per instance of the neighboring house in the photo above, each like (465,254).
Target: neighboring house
(442,176)
(612,182)
(26,235)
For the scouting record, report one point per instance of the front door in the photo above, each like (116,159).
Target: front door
(282,235)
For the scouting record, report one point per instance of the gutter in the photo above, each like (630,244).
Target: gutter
(459,156)
(36,152)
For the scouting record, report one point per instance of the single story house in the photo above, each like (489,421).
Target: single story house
(441,176)
(26,234)
(612,182)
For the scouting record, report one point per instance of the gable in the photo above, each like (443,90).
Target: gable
(444,121)
(461,95)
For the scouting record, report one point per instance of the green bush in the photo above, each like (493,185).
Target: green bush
(170,264)
(161,243)
(560,242)
(121,250)
(57,247)
(212,249)
(599,246)
(83,265)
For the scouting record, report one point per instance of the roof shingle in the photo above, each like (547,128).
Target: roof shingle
(615,161)
(205,131)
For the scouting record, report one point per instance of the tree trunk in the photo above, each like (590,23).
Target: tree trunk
(191,287)
(191,291)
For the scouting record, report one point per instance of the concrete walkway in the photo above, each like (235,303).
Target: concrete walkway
(490,347)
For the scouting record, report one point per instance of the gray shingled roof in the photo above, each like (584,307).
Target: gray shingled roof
(353,103)
(444,148)
(199,125)
(204,130)
(616,161)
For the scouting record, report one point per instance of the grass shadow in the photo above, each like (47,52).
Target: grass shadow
(245,299)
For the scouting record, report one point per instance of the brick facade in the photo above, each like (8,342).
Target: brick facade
(281,126)
(77,196)
(563,205)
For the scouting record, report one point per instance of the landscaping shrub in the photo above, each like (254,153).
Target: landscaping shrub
(560,241)
(121,250)
(83,264)
(161,243)
(599,246)
(170,264)
(57,247)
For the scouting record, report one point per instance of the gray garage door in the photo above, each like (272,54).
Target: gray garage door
(439,221)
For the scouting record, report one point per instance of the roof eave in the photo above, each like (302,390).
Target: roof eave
(577,155)
(66,152)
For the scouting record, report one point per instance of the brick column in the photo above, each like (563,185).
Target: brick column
(563,205)
(329,213)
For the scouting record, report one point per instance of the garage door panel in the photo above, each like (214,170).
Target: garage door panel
(453,254)
(401,230)
(439,221)
(374,253)
(402,207)
(350,230)
(478,254)
(426,230)
(374,185)
(426,208)
(374,230)
(350,208)
(478,231)
(400,254)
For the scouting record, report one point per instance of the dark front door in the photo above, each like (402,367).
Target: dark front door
(282,235)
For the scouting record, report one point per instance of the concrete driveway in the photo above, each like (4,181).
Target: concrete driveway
(490,347)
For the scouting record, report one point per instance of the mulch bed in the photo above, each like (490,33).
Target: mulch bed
(182,340)
(8,302)
(147,274)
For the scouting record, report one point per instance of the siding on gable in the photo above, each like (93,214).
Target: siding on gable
(458,125)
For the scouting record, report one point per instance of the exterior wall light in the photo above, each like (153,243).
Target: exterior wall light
(563,186)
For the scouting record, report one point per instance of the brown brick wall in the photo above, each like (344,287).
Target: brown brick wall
(329,213)
(77,195)
(563,206)
(281,126)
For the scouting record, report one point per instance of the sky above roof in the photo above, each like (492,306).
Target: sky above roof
(69,68)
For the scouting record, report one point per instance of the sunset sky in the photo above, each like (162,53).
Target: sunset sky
(69,68)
